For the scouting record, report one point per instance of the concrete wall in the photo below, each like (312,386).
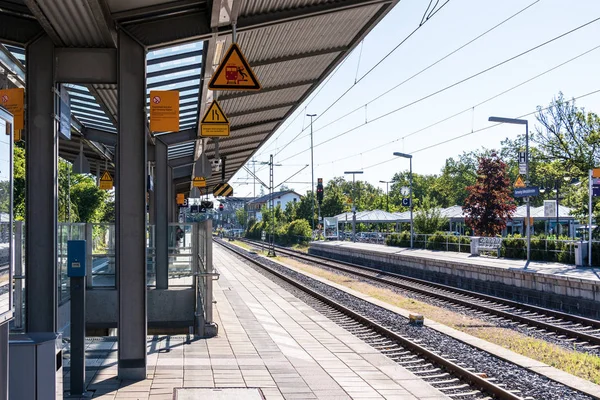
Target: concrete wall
(171,308)
(572,295)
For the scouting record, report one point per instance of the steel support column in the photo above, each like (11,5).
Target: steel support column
(131,209)
(161,232)
(170,195)
(41,190)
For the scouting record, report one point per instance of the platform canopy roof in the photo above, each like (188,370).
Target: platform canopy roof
(369,217)
(292,45)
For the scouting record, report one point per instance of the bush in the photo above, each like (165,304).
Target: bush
(398,239)
(299,231)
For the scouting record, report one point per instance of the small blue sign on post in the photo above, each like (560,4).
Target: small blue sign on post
(530,191)
(406,202)
(76,255)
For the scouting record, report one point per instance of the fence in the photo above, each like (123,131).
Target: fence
(189,265)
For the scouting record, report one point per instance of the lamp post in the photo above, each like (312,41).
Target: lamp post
(312,167)
(410,178)
(353,204)
(526,123)
(387,196)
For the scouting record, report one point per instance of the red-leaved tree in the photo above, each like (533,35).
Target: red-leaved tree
(489,203)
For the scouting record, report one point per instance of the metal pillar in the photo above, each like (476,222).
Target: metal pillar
(4,361)
(42,189)
(170,194)
(131,209)
(161,232)
(77,377)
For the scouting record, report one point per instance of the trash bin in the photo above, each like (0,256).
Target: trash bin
(474,245)
(35,366)
(581,253)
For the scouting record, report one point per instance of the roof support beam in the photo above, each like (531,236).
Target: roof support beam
(100,136)
(268,89)
(181,162)
(188,135)
(258,110)
(299,56)
(84,66)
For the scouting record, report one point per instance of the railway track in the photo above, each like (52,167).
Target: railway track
(454,378)
(583,332)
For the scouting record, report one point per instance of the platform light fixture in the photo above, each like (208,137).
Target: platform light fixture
(353,205)
(410,179)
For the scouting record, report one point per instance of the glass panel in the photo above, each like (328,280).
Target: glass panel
(181,254)
(103,255)
(5,218)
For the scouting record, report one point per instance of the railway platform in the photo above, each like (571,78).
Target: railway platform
(552,285)
(268,341)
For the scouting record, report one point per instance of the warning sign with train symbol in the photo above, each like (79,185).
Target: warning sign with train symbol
(234,73)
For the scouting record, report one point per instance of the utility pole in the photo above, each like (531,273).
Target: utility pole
(312,167)
(353,203)
(271,252)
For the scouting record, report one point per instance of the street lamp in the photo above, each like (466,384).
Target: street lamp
(387,196)
(526,123)
(312,167)
(353,205)
(410,178)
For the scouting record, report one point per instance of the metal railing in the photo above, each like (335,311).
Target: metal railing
(190,262)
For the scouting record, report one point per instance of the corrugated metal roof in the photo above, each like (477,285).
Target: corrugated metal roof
(268,6)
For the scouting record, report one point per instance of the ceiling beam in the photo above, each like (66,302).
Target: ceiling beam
(181,162)
(104,22)
(263,109)
(16,28)
(100,136)
(85,65)
(188,135)
(299,56)
(267,89)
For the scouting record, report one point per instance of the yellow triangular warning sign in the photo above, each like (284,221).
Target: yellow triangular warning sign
(199,182)
(214,122)
(106,181)
(519,182)
(234,72)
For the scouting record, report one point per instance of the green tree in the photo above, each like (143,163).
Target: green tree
(290,211)
(305,208)
(19,183)
(87,199)
(334,198)
(242,216)
(490,203)
(66,209)
(429,219)
(457,174)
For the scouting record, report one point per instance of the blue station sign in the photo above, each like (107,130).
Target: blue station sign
(530,191)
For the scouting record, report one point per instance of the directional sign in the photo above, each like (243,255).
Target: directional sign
(223,189)
(215,122)
(12,100)
(519,183)
(199,182)
(164,110)
(234,73)
(106,181)
(527,191)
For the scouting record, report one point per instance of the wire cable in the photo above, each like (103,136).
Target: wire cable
(450,86)
(475,131)
(470,108)
(418,73)
(365,74)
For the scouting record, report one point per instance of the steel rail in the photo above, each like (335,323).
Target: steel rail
(463,302)
(474,379)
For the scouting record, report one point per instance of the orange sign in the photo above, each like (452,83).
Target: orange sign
(12,100)
(519,183)
(234,72)
(180,198)
(214,122)
(199,182)
(106,181)
(164,110)
(596,173)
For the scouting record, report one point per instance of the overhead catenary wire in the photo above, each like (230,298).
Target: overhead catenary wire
(475,131)
(416,74)
(449,86)
(472,108)
(368,72)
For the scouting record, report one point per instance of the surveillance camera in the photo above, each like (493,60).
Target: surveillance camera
(215,163)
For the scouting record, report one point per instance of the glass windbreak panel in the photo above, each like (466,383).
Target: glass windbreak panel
(5,217)
(181,254)
(150,256)
(103,255)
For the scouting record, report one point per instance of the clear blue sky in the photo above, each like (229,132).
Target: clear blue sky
(457,23)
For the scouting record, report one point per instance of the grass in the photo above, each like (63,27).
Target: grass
(583,365)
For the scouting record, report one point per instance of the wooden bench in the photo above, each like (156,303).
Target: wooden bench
(489,244)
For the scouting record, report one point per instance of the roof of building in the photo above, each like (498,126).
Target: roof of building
(267,197)
(369,217)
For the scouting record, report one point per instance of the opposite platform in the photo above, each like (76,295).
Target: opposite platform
(268,339)
(546,284)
